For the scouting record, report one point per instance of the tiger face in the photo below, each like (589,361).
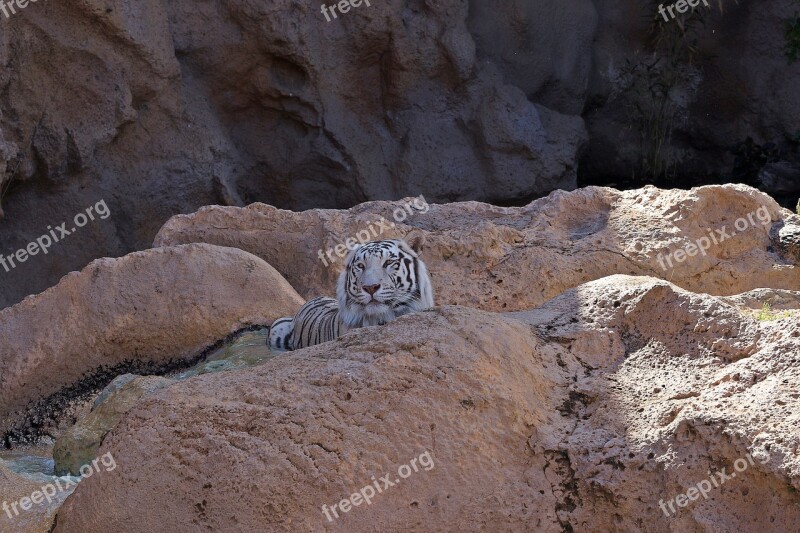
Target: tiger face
(383,280)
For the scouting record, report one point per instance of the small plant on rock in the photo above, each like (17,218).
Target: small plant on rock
(766,314)
(658,85)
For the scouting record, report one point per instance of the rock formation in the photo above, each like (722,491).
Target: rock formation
(177,106)
(147,311)
(14,487)
(785,237)
(569,388)
(181,106)
(707,98)
(505,259)
(81,442)
(587,413)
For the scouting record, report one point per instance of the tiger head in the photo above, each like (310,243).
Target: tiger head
(383,280)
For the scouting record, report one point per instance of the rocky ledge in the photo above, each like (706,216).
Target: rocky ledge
(507,259)
(587,413)
(566,382)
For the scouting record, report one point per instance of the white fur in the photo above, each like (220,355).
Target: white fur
(357,313)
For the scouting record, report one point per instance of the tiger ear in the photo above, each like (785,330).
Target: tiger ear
(416,240)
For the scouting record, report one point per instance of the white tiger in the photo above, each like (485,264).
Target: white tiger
(382,280)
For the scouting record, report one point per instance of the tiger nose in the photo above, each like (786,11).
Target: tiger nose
(371,289)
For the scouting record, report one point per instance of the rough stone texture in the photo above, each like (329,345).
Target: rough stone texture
(775,298)
(543,47)
(37,520)
(111,388)
(508,259)
(666,378)
(580,416)
(309,427)
(785,236)
(80,443)
(180,104)
(154,308)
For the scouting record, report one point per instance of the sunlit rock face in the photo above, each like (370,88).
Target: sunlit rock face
(559,393)
(713,239)
(599,410)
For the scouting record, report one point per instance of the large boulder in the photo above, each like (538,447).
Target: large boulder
(147,311)
(662,438)
(505,259)
(596,411)
(312,427)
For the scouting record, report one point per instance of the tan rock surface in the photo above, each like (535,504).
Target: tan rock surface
(146,309)
(677,387)
(581,415)
(786,238)
(263,449)
(506,259)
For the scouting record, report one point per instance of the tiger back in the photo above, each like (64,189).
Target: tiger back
(317,322)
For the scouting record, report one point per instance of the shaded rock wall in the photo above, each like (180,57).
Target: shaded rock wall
(688,94)
(162,107)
